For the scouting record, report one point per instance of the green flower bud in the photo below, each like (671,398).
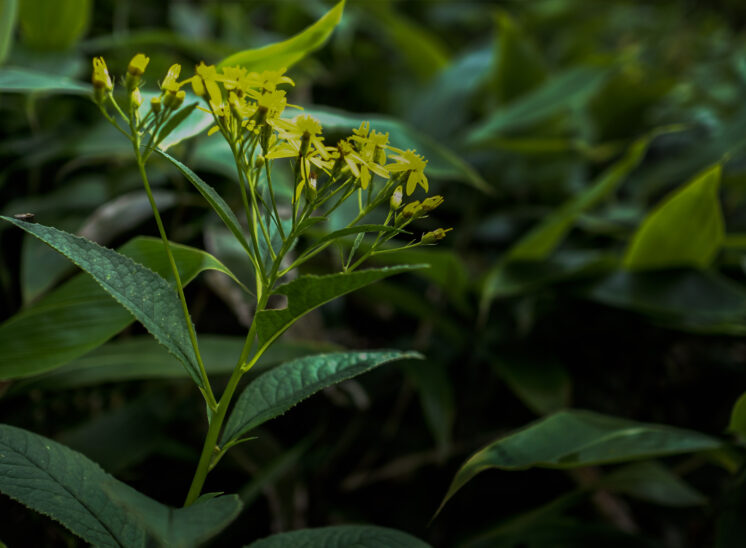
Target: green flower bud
(259,161)
(396,197)
(155,104)
(431,203)
(434,236)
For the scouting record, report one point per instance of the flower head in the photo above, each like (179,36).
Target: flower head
(101,79)
(411,163)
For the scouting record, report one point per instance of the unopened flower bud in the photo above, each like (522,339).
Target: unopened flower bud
(138,64)
(396,197)
(101,79)
(434,236)
(410,211)
(431,203)
(169,82)
(259,161)
(155,104)
(310,187)
(179,99)
(136,98)
(198,86)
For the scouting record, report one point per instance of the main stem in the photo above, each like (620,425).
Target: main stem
(211,447)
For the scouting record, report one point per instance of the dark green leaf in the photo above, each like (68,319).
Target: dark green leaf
(342,536)
(541,383)
(570,439)
(69,488)
(21,80)
(308,292)
(654,483)
(738,417)
(274,392)
(287,53)
(686,229)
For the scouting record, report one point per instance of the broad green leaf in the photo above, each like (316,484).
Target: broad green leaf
(691,300)
(8,15)
(274,392)
(309,291)
(174,121)
(541,383)
(539,243)
(738,417)
(519,67)
(652,482)
(558,94)
(140,357)
(287,53)
(145,294)
(442,162)
(342,536)
(79,316)
(22,80)
(571,439)
(216,201)
(54,24)
(76,492)
(686,229)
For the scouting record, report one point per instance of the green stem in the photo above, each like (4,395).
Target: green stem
(207,392)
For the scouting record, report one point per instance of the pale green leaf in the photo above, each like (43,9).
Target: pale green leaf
(274,392)
(309,291)
(686,229)
(22,80)
(652,482)
(571,439)
(342,536)
(76,492)
(79,316)
(559,94)
(8,16)
(287,53)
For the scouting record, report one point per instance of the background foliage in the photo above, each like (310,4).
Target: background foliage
(592,159)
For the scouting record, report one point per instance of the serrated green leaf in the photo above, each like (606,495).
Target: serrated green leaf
(287,53)
(342,536)
(277,390)
(79,316)
(686,229)
(652,482)
(308,292)
(558,94)
(75,491)
(22,80)
(738,417)
(570,439)
(217,203)
(145,294)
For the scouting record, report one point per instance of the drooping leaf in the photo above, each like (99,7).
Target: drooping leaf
(287,53)
(216,201)
(570,439)
(22,80)
(342,536)
(79,316)
(277,390)
(738,417)
(309,291)
(558,94)
(686,229)
(442,162)
(75,491)
(8,16)
(652,482)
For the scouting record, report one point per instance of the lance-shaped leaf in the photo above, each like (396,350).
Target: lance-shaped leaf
(147,296)
(342,536)
(687,229)
(22,80)
(308,292)
(279,389)
(287,53)
(570,439)
(76,492)
(217,203)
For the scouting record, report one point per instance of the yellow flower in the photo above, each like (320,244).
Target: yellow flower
(413,164)
(210,77)
(138,64)
(268,80)
(101,79)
